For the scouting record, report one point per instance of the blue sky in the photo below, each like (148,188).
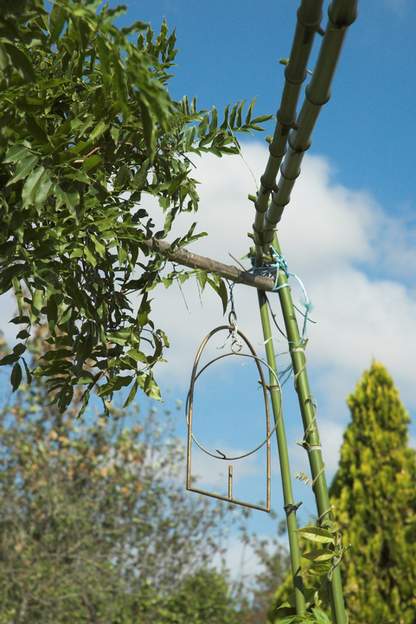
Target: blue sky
(358,179)
(350,230)
(230,50)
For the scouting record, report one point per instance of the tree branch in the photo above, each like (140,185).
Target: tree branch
(194,261)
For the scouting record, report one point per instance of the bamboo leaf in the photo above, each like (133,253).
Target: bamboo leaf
(321,617)
(317,534)
(318,555)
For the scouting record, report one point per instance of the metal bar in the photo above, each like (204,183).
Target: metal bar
(308,23)
(289,504)
(235,501)
(311,439)
(194,261)
(341,14)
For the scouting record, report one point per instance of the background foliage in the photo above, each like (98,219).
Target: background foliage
(96,526)
(87,127)
(374,500)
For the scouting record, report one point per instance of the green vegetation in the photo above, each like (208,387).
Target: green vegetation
(96,526)
(374,499)
(87,129)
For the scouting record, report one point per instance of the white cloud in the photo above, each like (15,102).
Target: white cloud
(355,260)
(242,560)
(213,473)
(337,240)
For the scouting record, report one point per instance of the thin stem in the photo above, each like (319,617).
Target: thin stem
(290,506)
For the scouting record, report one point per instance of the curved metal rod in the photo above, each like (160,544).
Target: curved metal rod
(189,402)
(222,455)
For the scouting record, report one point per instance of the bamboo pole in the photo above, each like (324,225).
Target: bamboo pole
(308,23)
(311,439)
(289,504)
(341,14)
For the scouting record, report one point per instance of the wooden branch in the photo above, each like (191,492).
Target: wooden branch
(194,261)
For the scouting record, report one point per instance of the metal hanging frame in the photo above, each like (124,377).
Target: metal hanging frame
(191,438)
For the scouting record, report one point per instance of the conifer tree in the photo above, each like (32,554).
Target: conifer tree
(374,496)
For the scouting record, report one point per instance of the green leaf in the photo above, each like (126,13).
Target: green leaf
(16,376)
(89,256)
(57,18)
(24,167)
(37,301)
(214,120)
(317,534)
(92,162)
(19,349)
(151,388)
(11,358)
(21,62)
(320,616)
(132,393)
(202,278)
(16,153)
(42,188)
(99,247)
(29,188)
(220,288)
(148,129)
(139,179)
(239,121)
(249,112)
(68,198)
(98,131)
(136,355)
(18,320)
(261,118)
(319,555)
(28,373)
(114,384)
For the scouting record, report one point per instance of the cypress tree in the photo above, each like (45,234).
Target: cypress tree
(374,495)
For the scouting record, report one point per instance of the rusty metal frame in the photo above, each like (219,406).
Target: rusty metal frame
(233,330)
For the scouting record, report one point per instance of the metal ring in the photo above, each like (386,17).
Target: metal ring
(196,374)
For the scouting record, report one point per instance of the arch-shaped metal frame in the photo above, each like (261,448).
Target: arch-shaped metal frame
(222,457)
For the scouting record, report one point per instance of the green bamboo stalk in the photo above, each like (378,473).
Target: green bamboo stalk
(289,504)
(308,23)
(311,439)
(341,14)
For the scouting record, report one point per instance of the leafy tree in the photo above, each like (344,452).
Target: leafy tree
(204,597)
(375,500)
(95,524)
(87,129)
(255,594)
